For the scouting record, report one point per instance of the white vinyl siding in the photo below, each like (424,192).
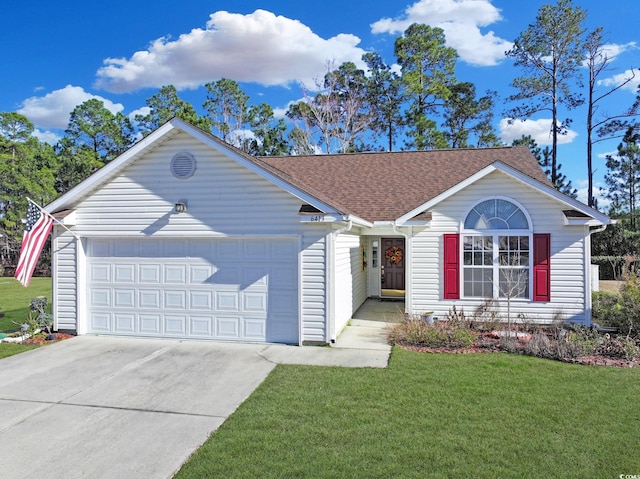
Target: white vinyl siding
(350,278)
(314,289)
(223,198)
(64,254)
(567,252)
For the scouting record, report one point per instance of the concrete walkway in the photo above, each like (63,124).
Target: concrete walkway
(105,407)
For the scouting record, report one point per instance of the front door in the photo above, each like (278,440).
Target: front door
(393,257)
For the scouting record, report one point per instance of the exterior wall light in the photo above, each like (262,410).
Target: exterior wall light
(181,207)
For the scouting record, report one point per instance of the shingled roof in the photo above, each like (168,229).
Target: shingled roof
(383,186)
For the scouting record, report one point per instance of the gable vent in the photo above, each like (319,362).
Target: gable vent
(183,165)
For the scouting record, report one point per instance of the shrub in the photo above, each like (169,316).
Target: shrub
(606,308)
(539,345)
(619,347)
(419,333)
(620,311)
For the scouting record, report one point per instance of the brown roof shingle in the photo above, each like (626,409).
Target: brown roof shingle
(383,186)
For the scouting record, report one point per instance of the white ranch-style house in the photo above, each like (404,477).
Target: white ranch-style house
(185,236)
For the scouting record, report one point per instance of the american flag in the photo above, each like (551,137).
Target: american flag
(36,232)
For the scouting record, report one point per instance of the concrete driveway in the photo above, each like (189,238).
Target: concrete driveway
(99,407)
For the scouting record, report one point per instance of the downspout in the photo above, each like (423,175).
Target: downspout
(587,265)
(408,266)
(331,296)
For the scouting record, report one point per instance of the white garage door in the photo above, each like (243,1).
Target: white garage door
(233,289)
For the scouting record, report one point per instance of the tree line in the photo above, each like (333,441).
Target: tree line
(416,103)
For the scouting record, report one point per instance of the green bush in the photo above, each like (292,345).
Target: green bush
(619,311)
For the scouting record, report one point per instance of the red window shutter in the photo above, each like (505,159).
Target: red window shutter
(452,266)
(542,267)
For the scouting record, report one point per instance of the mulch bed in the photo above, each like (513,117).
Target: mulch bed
(486,344)
(41,340)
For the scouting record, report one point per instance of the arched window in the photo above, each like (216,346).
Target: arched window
(496,259)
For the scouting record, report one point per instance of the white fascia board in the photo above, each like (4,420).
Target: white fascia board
(598,218)
(446,194)
(109,169)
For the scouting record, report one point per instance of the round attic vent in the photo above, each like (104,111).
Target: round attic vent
(183,165)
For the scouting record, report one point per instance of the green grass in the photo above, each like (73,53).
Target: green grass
(433,416)
(15,298)
(9,349)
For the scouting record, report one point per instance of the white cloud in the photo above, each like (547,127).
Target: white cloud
(582,187)
(461,21)
(620,78)
(53,109)
(607,153)
(612,50)
(539,130)
(143,111)
(47,136)
(259,47)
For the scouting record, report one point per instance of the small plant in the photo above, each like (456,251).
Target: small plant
(457,319)
(486,317)
(38,319)
(420,333)
(619,347)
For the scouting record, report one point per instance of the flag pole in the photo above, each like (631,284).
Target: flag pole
(52,217)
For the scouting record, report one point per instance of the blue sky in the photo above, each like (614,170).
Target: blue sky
(59,54)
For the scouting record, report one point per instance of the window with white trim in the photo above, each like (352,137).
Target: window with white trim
(496,251)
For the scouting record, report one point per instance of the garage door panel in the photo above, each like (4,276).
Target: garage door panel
(175,324)
(149,299)
(234,289)
(227,301)
(151,248)
(254,328)
(124,298)
(175,274)
(100,322)
(124,322)
(101,248)
(149,273)
(174,299)
(227,273)
(254,302)
(228,326)
(256,250)
(124,273)
(100,273)
(199,274)
(126,249)
(101,297)
(228,250)
(286,250)
(200,249)
(175,249)
(149,324)
(280,277)
(201,326)
(201,300)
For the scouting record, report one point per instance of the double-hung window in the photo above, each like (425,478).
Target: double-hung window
(496,251)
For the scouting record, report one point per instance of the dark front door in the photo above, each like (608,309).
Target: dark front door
(393,258)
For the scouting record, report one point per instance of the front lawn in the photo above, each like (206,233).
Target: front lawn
(15,299)
(432,415)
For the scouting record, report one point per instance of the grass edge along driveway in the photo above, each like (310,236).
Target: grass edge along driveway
(432,415)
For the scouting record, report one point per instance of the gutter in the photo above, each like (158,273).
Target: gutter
(587,273)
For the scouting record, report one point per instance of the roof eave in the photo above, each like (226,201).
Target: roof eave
(597,218)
